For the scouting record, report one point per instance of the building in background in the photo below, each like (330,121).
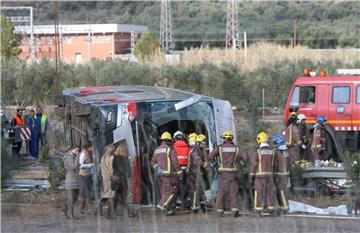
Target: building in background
(79,43)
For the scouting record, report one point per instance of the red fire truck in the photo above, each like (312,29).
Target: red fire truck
(337,98)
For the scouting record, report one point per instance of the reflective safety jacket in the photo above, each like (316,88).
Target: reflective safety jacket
(228,154)
(262,162)
(43,122)
(182,151)
(319,138)
(18,121)
(165,158)
(292,136)
(280,162)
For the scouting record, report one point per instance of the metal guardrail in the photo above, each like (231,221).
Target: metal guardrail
(324,172)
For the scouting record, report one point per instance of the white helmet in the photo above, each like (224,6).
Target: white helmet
(301,117)
(178,134)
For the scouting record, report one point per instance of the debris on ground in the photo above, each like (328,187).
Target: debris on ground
(299,207)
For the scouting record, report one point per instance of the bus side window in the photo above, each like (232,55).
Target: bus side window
(358,95)
(307,95)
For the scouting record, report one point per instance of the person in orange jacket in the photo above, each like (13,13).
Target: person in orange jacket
(16,122)
(182,150)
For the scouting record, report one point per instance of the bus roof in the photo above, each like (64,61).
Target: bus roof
(127,93)
(328,80)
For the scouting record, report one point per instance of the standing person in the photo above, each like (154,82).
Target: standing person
(166,166)
(17,122)
(30,124)
(72,180)
(195,179)
(106,169)
(120,179)
(41,125)
(318,145)
(86,161)
(304,133)
(292,139)
(262,174)
(281,174)
(182,151)
(228,182)
(293,143)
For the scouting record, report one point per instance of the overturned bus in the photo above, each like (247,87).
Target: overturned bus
(137,116)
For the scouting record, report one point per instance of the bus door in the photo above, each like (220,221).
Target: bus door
(341,106)
(303,101)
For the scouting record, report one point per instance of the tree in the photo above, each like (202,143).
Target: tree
(9,39)
(147,45)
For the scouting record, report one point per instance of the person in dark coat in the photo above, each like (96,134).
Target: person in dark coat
(120,180)
(72,180)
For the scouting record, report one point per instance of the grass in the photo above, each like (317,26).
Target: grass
(259,55)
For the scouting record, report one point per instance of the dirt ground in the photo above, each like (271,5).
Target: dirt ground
(43,218)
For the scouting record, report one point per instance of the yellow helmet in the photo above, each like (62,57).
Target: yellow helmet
(262,137)
(200,138)
(192,137)
(227,135)
(166,136)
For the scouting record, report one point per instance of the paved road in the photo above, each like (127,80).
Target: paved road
(41,218)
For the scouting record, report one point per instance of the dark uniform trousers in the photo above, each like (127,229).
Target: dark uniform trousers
(264,193)
(228,184)
(168,192)
(196,187)
(281,182)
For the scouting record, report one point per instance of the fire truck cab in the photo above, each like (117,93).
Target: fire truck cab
(337,98)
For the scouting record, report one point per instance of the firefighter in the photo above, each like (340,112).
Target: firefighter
(293,143)
(17,122)
(182,151)
(228,182)
(305,152)
(281,174)
(292,139)
(318,145)
(201,142)
(195,179)
(167,168)
(262,175)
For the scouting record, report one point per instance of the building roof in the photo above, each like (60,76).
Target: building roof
(83,28)
(128,93)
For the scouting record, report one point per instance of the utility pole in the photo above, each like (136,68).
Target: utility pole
(232,27)
(294,37)
(57,82)
(166,35)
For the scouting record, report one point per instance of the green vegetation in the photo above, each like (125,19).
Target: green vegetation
(320,24)
(9,40)
(147,45)
(224,81)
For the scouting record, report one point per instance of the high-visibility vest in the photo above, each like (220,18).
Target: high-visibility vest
(18,121)
(182,151)
(42,122)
